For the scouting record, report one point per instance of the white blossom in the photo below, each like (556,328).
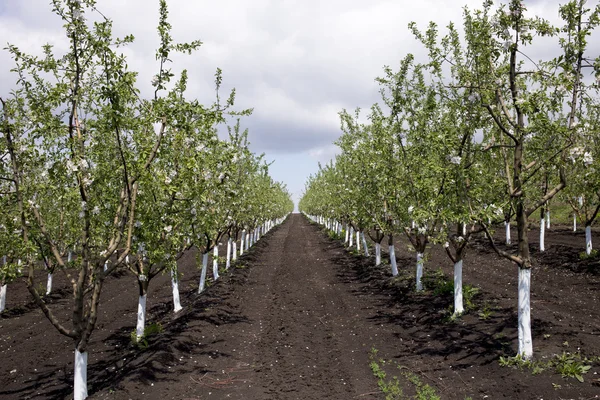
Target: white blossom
(587,158)
(96,210)
(474,97)
(168,228)
(446,245)
(155,80)
(410,209)
(455,160)
(168,180)
(87,181)
(71,167)
(507,45)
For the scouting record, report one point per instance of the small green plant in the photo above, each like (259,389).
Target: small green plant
(584,256)
(469,293)
(440,284)
(486,312)
(150,330)
(571,365)
(424,391)
(390,388)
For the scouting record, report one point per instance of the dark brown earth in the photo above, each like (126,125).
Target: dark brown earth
(298,317)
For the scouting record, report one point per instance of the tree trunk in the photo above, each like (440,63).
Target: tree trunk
(203,273)
(392,256)
(347,234)
(542,233)
(175,286)
(377,254)
(358,241)
(458,287)
(525,341)
(507,231)
(80,378)
(548,219)
(364,243)
(588,239)
(141,314)
(351,237)
(242,242)
(574,222)
(3,297)
(419,271)
(49,284)
(216,262)
(228,262)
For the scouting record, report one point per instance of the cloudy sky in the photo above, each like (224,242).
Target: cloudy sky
(296,62)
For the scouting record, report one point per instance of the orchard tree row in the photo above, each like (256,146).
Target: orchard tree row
(477,135)
(94,177)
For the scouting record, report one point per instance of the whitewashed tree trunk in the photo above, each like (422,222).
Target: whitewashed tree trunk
(358,241)
(525,342)
(175,286)
(234,255)
(216,262)
(393,260)
(464,229)
(574,222)
(70,256)
(105,265)
(141,317)
(458,288)
(364,243)
(228,259)
(49,284)
(588,240)
(203,273)
(377,254)
(542,234)
(242,242)
(3,297)
(351,237)
(419,271)
(507,231)
(347,234)
(547,219)
(80,379)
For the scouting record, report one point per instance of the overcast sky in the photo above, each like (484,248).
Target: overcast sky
(296,62)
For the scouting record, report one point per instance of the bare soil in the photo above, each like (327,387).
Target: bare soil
(298,318)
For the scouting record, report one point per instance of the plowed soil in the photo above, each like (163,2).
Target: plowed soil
(300,317)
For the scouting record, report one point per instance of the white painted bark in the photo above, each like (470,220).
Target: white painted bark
(141,317)
(588,240)
(524,312)
(216,262)
(80,379)
(127,259)
(175,286)
(351,237)
(364,243)
(377,254)
(458,288)
(49,284)
(228,260)
(419,271)
(507,231)
(70,256)
(393,260)
(542,234)
(574,222)
(358,241)
(105,265)
(234,255)
(347,234)
(547,219)
(242,242)
(464,228)
(203,273)
(3,297)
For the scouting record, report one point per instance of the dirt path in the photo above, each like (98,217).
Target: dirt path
(300,338)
